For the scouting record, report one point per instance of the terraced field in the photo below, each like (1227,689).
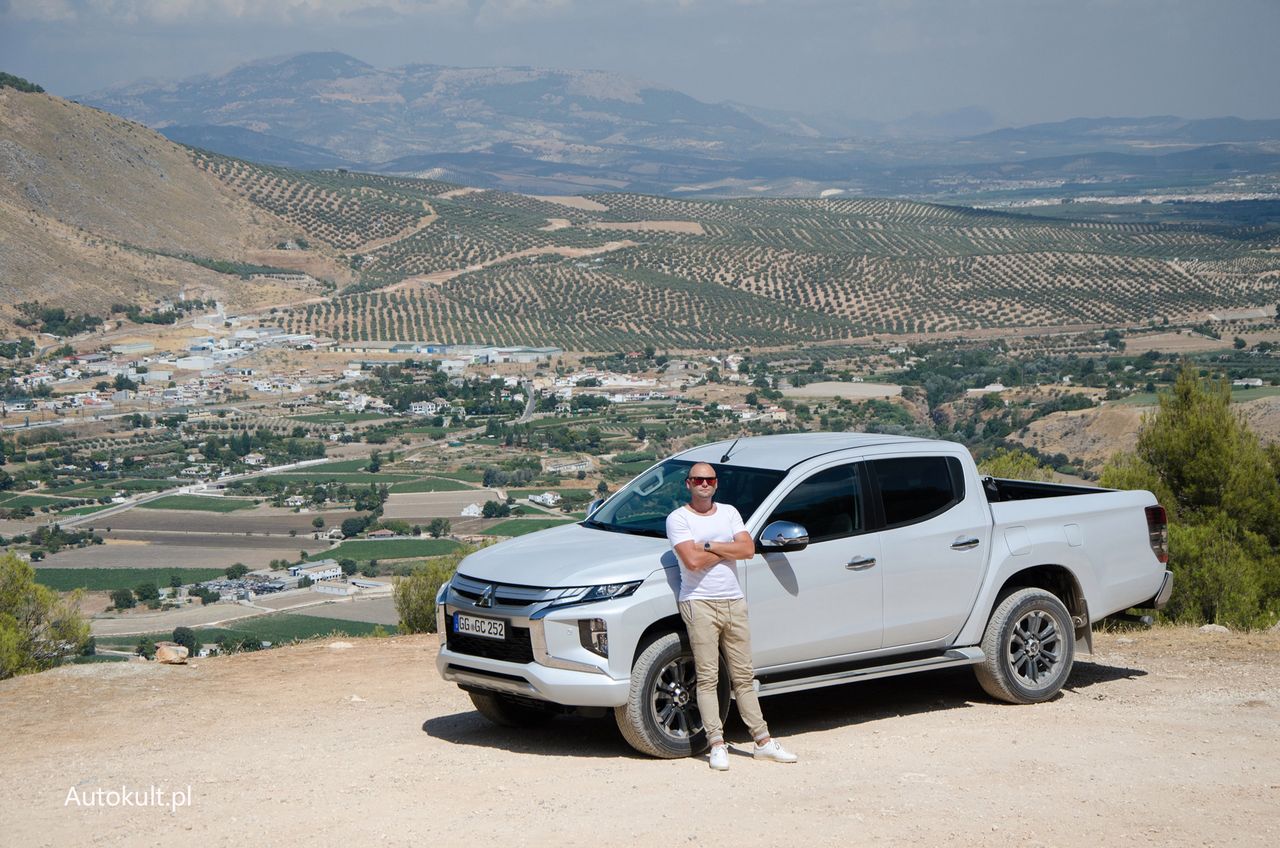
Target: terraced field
(714,274)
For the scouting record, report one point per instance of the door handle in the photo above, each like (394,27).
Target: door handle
(860,563)
(965,544)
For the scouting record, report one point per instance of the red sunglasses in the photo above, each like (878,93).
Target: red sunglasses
(702,481)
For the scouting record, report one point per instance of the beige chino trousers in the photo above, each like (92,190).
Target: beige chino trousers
(715,626)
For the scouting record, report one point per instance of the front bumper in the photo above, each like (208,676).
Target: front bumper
(531,680)
(530,669)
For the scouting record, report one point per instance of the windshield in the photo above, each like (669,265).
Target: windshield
(642,507)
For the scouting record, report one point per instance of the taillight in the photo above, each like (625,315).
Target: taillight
(1158,532)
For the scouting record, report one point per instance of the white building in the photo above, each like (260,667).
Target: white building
(546,499)
(322,569)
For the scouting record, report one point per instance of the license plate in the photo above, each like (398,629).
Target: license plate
(488,628)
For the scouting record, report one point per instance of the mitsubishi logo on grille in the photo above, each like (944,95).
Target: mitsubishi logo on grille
(486,597)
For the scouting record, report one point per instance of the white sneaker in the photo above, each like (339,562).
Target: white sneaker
(720,757)
(771,750)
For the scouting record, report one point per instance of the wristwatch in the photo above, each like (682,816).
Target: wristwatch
(706,546)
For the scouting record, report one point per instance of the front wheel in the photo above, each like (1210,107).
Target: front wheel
(1030,647)
(661,715)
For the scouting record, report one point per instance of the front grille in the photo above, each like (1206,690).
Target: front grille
(516,648)
(506,594)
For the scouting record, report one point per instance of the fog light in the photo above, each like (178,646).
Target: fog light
(594,635)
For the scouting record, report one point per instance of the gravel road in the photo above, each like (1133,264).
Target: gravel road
(1164,737)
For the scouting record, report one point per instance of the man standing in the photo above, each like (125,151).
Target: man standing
(709,538)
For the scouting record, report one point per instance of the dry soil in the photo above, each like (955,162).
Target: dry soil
(1166,737)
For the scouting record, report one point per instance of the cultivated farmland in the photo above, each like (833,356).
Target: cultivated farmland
(773,271)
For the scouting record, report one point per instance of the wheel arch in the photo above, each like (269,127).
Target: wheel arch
(666,624)
(1059,581)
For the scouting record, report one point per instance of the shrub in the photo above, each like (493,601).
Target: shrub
(415,595)
(1014,464)
(37,627)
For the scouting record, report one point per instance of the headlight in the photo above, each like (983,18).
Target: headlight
(609,591)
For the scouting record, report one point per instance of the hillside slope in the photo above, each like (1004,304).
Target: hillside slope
(87,200)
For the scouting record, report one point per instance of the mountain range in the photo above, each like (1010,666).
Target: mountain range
(575,131)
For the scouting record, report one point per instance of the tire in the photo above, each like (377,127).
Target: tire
(661,716)
(506,711)
(1030,647)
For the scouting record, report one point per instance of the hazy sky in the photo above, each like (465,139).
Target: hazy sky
(1024,60)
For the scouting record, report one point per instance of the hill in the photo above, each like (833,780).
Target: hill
(103,210)
(270,742)
(97,210)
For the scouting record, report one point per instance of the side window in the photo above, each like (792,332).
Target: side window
(913,488)
(827,504)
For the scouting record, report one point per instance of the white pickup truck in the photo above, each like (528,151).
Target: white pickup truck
(875,556)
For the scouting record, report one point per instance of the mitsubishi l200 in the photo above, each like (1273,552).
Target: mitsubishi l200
(876,555)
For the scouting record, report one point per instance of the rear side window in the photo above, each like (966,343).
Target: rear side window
(914,488)
(827,504)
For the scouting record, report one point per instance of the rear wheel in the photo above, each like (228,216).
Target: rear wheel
(1029,646)
(506,711)
(661,715)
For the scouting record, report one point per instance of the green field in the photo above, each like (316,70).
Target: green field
(34,501)
(464,476)
(306,477)
(277,628)
(66,579)
(199,503)
(342,466)
(430,484)
(339,417)
(521,526)
(1237,396)
(366,549)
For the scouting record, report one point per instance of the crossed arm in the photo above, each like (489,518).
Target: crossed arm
(695,558)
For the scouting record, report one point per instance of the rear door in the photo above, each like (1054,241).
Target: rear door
(935,541)
(823,601)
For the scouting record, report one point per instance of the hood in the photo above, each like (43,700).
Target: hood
(571,555)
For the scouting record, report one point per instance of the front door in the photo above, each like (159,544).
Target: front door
(823,601)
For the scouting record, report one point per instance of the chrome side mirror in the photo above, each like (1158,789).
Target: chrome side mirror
(783,536)
(594,505)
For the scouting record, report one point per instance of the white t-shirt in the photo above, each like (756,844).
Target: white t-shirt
(720,581)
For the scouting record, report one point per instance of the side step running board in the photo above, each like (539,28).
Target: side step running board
(948,659)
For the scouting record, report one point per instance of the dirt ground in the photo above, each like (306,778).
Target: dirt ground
(1163,737)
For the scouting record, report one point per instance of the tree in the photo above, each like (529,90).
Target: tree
(375,462)
(348,566)
(186,637)
(439,527)
(146,648)
(1222,491)
(354,526)
(602,488)
(37,627)
(147,592)
(235,572)
(123,599)
(318,522)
